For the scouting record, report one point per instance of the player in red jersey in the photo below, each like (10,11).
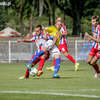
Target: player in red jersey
(94,54)
(63,45)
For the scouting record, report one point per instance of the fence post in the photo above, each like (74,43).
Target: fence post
(76,50)
(9,51)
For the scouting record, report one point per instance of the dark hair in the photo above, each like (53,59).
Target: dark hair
(39,26)
(95,17)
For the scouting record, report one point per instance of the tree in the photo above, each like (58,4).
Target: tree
(41,2)
(78,9)
(2,19)
(25,9)
(3,13)
(18,6)
(51,6)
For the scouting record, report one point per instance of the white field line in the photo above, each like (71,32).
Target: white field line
(78,90)
(49,93)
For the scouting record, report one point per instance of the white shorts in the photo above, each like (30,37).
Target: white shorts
(54,50)
(48,44)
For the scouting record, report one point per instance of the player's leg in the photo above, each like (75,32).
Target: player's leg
(63,48)
(95,66)
(94,55)
(51,68)
(27,70)
(91,55)
(56,54)
(94,63)
(41,64)
(35,58)
(89,59)
(57,66)
(54,61)
(47,46)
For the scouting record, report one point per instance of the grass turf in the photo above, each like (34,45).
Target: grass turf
(75,83)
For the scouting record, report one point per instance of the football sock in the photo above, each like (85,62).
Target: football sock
(96,68)
(41,63)
(36,56)
(36,61)
(57,65)
(71,58)
(27,73)
(54,61)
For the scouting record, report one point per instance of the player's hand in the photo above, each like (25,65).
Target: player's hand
(52,46)
(86,34)
(20,40)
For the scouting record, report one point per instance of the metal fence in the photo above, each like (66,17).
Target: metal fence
(12,51)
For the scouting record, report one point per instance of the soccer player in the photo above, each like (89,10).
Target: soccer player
(39,38)
(94,54)
(51,46)
(63,45)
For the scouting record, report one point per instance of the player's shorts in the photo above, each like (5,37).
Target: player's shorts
(48,44)
(95,52)
(54,51)
(63,48)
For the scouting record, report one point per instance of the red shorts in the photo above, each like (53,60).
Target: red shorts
(95,52)
(63,48)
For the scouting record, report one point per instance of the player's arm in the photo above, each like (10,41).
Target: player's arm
(26,40)
(92,38)
(45,34)
(48,29)
(54,41)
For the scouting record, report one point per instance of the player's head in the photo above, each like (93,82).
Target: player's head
(38,29)
(58,25)
(59,19)
(95,20)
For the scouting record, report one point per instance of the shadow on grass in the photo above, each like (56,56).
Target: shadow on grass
(50,78)
(72,70)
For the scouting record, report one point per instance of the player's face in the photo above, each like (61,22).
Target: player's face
(59,20)
(58,25)
(37,30)
(94,22)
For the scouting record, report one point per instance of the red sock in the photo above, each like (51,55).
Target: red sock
(54,61)
(41,63)
(71,58)
(27,73)
(96,68)
(36,61)
(47,56)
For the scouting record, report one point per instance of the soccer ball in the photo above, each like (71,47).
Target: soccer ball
(33,71)
(48,44)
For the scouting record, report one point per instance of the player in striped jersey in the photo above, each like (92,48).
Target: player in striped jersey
(63,45)
(39,38)
(94,54)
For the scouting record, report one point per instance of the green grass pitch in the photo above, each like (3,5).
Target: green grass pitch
(80,85)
